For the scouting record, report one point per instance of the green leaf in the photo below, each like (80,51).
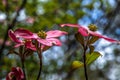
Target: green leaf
(92,57)
(79,38)
(77,64)
(93,39)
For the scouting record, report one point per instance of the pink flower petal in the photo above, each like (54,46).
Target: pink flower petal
(50,42)
(34,36)
(70,25)
(44,42)
(55,33)
(20,72)
(102,36)
(29,45)
(22,33)
(50,39)
(83,31)
(17,73)
(54,41)
(95,34)
(109,39)
(9,76)
(86,32)
(25,34)
(13,37)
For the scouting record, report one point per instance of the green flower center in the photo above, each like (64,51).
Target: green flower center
(92,27)
(42,34)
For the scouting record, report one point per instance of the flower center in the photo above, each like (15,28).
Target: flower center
(92,27)
(27,40)
(42,34)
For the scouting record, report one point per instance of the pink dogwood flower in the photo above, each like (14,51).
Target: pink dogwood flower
(20,41)
(86,32)
(15,74)
(45,38)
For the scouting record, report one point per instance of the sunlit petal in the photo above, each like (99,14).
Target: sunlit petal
(54,41)
(44,42)
(13,37)
(55,33)
(83,31)
(70,25)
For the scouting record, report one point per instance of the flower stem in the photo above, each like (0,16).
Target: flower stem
(40,58)
(84,60)
(40,69)
(23,68)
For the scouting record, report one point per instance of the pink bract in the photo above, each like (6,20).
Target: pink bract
(20,41)
(50,40)
(86,32)
(16,73)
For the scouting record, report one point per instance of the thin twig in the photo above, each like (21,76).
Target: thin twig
(23,68)
(7,11)
(85,46)
(22,53)
(39,51)
(11,26)
(84,60)
(40,69)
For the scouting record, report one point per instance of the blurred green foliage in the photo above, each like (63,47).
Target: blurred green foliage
(46,15)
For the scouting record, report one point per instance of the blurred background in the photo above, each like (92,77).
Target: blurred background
(36,15)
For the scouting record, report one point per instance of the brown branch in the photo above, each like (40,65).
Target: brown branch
(111,16)
(11,26)
(7,10)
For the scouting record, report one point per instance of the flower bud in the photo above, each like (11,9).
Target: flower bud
(92,27)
